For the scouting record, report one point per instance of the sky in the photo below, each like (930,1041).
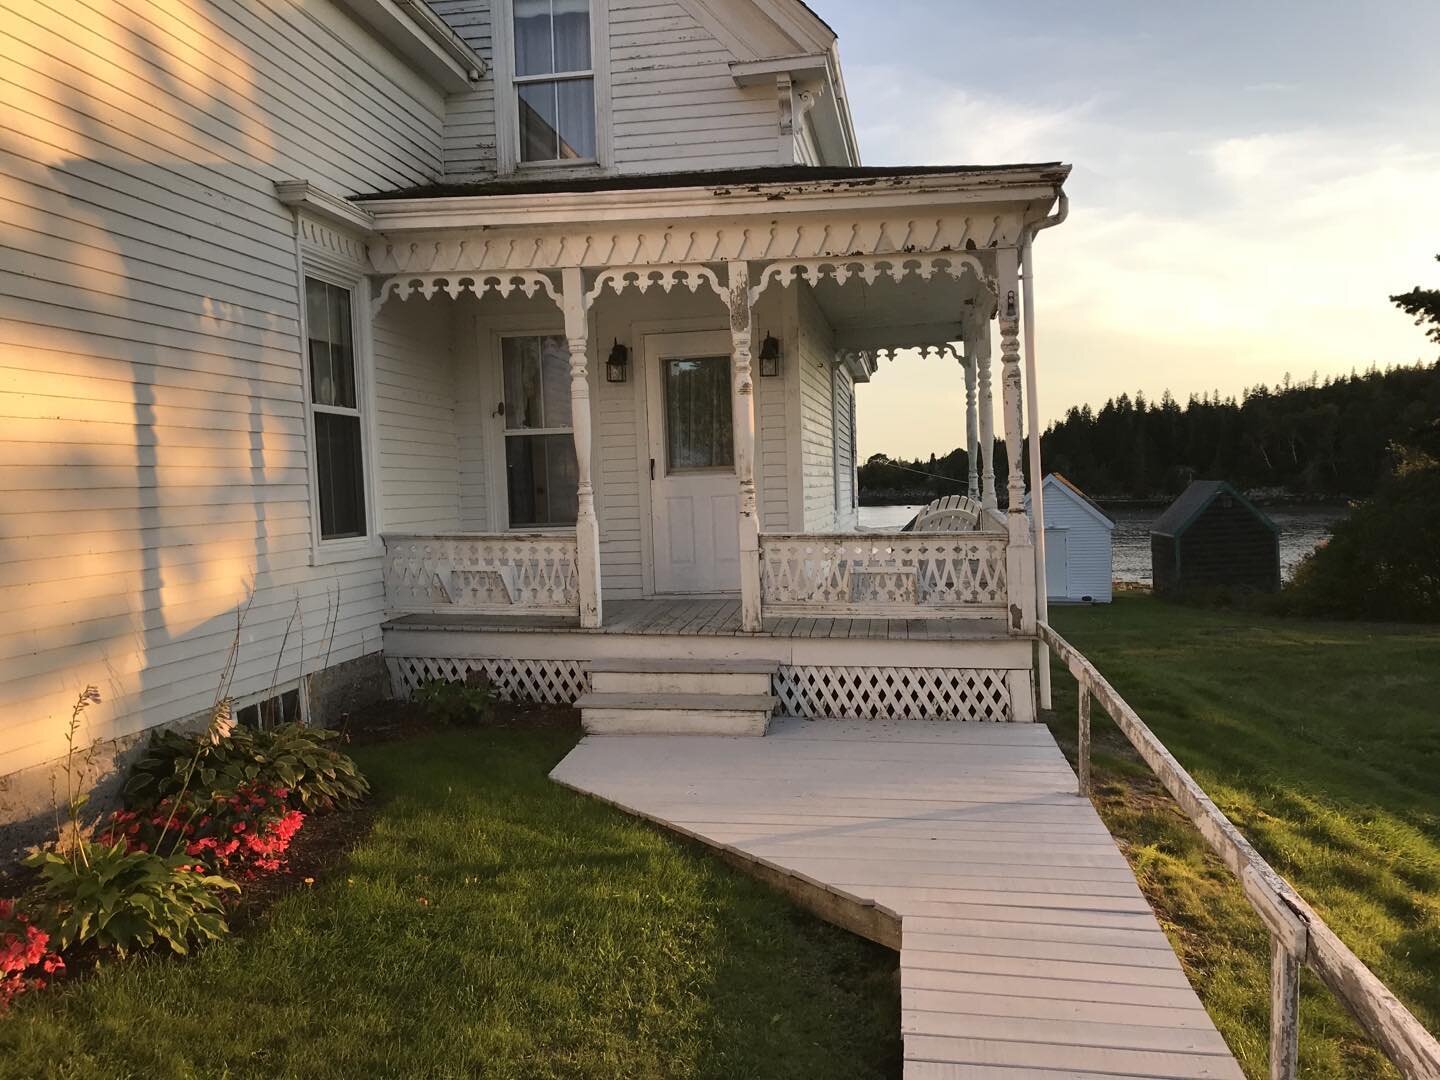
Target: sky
(1251,182)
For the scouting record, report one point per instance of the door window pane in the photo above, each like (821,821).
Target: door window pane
(699,432)
(341,475)
(541,478)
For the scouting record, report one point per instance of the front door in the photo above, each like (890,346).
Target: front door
(694,496)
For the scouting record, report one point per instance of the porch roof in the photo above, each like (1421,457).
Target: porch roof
(754,178)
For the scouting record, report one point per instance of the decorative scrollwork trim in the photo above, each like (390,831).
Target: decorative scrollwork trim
(869,269)
(687,275)
(503,282)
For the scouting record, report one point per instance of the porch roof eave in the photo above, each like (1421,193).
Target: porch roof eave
(721,194)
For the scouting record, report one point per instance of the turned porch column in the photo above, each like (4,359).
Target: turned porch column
(742,385)
(987,416)
(972,437)
(587,525)
(1020,560)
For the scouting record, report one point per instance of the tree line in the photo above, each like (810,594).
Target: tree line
(1325,438)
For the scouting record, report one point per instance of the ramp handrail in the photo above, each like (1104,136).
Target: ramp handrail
(1298,936)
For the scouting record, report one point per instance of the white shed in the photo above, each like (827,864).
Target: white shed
(1078,561)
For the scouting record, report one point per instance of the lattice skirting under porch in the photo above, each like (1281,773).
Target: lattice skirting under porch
(893,693)
(555,682)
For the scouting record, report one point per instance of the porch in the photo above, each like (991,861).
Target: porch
(594,407)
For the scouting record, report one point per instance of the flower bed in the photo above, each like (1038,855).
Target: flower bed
(200,810)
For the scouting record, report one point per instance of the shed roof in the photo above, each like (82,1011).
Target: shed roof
(1085,500)
(717,178)
(1181,513)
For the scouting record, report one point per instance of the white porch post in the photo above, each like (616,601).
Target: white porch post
(587,526)
(742,385)
(1020,560)
(1037,478)
(987,416)
(972,439)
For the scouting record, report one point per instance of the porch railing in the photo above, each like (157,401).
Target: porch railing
(1298,936)
(522,574)
(883,575)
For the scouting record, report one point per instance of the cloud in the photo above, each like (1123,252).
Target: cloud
(1194,259)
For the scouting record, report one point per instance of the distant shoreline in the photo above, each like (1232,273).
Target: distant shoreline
(1125,502)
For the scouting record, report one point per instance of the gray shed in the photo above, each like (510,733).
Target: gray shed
(1212,536)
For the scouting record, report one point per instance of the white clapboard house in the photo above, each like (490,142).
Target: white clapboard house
(514,336)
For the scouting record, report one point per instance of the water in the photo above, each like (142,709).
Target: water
(1301,530)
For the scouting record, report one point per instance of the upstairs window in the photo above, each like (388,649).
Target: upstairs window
(554,80)
(335,411)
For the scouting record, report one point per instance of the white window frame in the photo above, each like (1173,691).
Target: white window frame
(344,549)
(507,98)
(494,387)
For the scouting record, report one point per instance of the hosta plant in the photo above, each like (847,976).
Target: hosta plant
(292,757)
(26,960)
(120,900)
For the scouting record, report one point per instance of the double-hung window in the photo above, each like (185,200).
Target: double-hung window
(335,411)
(554,80)
(540,472)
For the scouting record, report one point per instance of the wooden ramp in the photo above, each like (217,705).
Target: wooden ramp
(1027,951)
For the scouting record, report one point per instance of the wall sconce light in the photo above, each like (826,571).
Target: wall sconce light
(618,363)
(770,356)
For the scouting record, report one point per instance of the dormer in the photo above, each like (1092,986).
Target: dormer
(603,87)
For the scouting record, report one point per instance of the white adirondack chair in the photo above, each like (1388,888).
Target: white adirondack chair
(953,513)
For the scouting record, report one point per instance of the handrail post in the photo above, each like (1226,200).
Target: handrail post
(1083,754)
(1284,1010)
(1289,943)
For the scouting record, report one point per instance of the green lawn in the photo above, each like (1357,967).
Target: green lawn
(494,925)
(1321,741)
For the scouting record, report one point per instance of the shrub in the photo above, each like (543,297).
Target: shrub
(291,757)
(246,832)
(120,901)
(26,959)
(456,702)
(1382,560)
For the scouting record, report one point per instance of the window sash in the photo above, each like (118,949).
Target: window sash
(339,465)
(556,128)
(541,474)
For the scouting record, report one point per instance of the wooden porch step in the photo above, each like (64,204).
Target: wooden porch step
(675,714)
(682,676)
(736,667)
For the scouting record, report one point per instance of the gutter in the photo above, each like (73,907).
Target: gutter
(439,31)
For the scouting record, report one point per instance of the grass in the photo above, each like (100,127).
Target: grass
(493,925)
(1321,741)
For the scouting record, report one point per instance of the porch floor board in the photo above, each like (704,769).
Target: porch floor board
(1026,946)
(711,618)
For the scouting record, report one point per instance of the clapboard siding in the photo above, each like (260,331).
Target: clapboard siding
(470,117)
(665,68)
(152,425)
(817,435)
(415,393)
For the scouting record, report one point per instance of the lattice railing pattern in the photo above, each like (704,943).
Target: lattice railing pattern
(920,575)
(520,574)
(555,682)
(892,693)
